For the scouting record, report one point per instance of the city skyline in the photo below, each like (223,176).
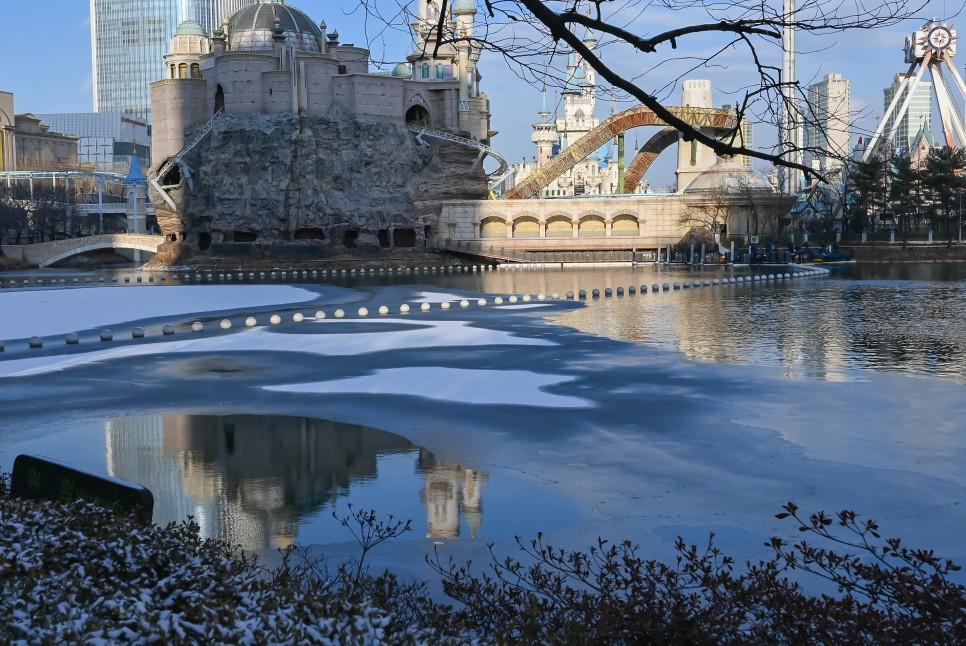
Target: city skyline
(59,77)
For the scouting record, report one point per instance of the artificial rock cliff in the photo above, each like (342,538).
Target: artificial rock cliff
(260,184)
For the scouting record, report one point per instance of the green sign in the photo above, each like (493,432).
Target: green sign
(38,478)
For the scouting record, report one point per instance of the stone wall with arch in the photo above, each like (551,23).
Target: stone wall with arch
(633,221)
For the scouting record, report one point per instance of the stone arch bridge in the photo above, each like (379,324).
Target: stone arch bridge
(45,254)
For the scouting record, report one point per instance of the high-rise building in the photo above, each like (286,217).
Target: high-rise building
(827,126)
(918,116)
(129,39)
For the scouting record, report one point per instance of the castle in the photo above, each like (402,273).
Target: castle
(271,67)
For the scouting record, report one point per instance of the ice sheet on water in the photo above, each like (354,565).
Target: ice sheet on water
(60,311)
(373,335)
(460,385)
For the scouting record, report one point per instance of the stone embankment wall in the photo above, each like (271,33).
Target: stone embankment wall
(318,185)
(935,252)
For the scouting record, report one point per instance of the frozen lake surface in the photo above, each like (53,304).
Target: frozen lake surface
(643,417)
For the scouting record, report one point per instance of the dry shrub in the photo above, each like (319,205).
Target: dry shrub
(78,574)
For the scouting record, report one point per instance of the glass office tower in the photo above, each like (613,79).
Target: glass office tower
(129,39)
(918,117)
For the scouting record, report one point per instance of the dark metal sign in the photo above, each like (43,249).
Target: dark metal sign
(39,478)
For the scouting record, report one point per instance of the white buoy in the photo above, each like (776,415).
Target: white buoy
(298,317)
(251,322)
(404,308)
(107,335)
(197,326)
(35,342)
(541,297)
(363,312)
(425,307)
(167,330)
(444,305)
(319,315)
(608,291)
(225,324)
(72,339)
(275,319)
(513,299)
(339,314)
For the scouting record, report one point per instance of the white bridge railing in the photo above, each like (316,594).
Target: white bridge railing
(177,159)
(421,132)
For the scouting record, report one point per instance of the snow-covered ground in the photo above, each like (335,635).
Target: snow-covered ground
(641,442)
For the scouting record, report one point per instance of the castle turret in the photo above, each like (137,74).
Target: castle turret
(180,99)
(544,133)
(694,158)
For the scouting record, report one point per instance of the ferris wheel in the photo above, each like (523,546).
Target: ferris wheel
(931,47)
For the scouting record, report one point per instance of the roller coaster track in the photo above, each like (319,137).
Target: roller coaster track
(664,139)
(179,158)
(719,119)
(495,177)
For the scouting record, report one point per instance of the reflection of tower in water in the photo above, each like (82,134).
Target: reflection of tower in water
(450,489)
(247,479)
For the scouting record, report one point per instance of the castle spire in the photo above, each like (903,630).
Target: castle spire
(544,112)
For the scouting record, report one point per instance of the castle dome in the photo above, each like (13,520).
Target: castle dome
(464,7)
(190,28)
(402,70)
(729,178)
(252,28)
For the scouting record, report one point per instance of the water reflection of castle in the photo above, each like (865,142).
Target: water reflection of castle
(249,479)
(450,489)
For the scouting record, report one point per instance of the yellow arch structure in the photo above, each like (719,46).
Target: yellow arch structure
(719,119)
(657,144)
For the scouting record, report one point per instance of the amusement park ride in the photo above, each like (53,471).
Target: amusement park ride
(931,47)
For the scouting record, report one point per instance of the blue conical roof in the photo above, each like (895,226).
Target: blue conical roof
(135,175)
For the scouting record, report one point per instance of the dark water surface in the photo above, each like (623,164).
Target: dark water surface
(265,480)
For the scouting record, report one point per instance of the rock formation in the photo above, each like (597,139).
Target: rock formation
(315,185)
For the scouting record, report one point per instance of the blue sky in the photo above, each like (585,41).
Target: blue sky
(47,65)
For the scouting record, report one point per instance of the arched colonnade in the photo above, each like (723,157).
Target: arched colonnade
(561,225)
